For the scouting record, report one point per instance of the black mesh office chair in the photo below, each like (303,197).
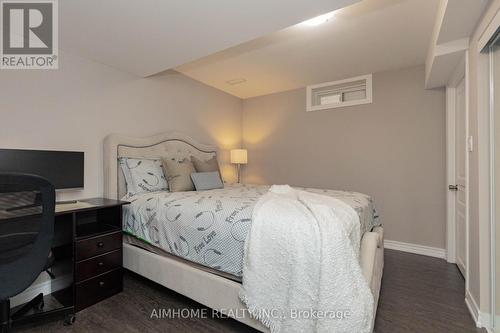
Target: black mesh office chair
(27,204)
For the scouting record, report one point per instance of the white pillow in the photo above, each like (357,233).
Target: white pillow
(143,175)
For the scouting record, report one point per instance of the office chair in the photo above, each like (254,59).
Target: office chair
(27,204)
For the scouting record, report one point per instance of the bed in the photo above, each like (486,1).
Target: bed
(204,263)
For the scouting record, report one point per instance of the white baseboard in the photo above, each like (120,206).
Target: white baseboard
(473,308)
(415,249)
(482,319)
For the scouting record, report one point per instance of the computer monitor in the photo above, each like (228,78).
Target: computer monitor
(64,169)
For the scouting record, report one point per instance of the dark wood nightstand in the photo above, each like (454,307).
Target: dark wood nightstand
(94,227)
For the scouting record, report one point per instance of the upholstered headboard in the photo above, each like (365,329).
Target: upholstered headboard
(172,144)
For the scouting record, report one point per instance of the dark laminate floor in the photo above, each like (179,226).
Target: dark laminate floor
(422,294)
(419,294)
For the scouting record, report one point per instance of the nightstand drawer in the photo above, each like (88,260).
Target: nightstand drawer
(101,264)
(90,247)
(98,288)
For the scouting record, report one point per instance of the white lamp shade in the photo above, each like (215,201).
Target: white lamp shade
(239,156)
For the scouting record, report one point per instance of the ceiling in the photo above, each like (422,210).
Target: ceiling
(460,19)
(146,37)
(455,23)
(367,37)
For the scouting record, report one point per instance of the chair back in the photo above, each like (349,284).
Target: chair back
(27,204)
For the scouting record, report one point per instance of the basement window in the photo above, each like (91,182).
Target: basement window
(336,94)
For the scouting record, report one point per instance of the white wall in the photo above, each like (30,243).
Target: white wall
(479,182)
(393,150)
(75,107)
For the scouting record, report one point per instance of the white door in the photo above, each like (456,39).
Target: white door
(460,178)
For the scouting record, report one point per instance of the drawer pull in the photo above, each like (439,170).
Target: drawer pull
(100,244)
(101,284)
(100,264)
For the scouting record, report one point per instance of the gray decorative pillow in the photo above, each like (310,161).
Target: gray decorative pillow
(179,174)
(206,180)
(210,165)
(143,175)
(205,166)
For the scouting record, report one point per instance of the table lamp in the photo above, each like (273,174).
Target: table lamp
(239,157)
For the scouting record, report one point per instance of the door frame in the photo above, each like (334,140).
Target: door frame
(494,243)
(457,77)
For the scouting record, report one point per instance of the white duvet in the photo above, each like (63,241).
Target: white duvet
(301,268)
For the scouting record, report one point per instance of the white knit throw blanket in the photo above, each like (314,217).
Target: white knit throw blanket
(301,269)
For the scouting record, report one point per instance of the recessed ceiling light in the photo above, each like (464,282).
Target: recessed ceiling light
(317,20)
(234,82)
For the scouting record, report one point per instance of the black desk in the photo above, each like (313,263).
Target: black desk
(87,248)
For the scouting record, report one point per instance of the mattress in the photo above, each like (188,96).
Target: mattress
(132,240)
(209,228)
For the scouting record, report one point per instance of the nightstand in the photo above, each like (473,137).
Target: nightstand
(92,230)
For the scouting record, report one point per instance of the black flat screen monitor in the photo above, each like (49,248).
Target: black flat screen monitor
(64,169)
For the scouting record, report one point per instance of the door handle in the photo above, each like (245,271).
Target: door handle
(453,187)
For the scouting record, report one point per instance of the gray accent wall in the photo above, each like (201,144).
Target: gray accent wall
(392,149)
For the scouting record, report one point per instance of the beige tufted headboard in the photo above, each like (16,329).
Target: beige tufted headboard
(172,144)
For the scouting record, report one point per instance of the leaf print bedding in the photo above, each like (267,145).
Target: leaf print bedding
(210,227)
